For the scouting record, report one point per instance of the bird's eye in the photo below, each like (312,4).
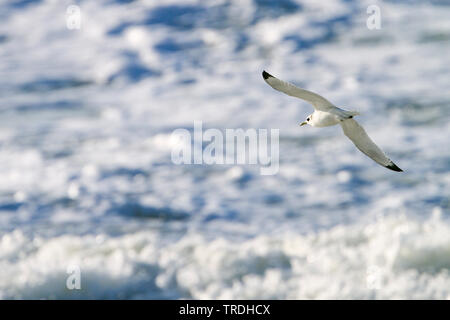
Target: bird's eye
(307,119)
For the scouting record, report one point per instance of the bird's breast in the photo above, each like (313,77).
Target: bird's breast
(324,119)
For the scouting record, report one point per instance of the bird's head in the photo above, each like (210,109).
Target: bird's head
(307,121)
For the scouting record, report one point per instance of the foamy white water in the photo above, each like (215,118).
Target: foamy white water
(388,258)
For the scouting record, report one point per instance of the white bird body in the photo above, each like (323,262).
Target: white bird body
(323,119)
(326,114)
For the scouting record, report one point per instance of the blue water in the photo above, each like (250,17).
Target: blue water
(86,117)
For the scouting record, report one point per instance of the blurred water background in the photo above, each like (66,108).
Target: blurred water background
(86,177)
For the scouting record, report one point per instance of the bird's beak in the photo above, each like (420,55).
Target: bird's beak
(303,123)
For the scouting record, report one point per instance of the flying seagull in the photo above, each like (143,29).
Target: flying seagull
(326,114)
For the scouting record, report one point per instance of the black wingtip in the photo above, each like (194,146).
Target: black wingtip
(266,75)
(394,167)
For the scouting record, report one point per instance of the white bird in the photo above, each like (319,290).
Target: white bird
(326,114)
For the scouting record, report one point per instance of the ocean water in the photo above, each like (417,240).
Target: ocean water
(86,177)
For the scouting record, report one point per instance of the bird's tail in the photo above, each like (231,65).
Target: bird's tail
(352,113)
(346,114)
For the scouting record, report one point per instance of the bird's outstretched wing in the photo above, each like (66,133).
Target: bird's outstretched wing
(359,137)
(319,102)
